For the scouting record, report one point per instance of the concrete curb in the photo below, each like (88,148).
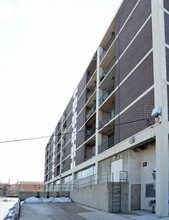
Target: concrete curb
(17,210)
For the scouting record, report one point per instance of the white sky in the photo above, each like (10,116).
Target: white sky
(45,47)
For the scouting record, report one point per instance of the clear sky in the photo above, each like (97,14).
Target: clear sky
(45,47)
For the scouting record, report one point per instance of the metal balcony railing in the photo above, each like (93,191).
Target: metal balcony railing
(63,144)
(90,132)
(107,46)
(106,145)
(91,73)
(59,137)
(92,110)
(107,69)
(90,93)
(106,94)
(89,154)
(63,170)
(59,126)
(58,173)
(63,157)
(64,126)
(107,118)
(58,160)
(58,149)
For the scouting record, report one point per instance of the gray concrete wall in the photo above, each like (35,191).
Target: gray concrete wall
(95,196)
(25,195)
(99,196)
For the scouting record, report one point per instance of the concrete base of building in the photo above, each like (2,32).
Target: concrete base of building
(105,196)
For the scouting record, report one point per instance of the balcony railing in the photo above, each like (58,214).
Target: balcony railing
(90,132)
(58,172)
(58,160)
(63,170)
(89,154)
(58,149)
(64,126)
(63,157)
(63,144)
(59,126)
(91,73)
(59,137)
(90,93)
(106,94)
(106,144)
(92,110)
(107,69)
(107,46)
(107,118)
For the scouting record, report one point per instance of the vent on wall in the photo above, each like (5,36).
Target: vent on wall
(150,192)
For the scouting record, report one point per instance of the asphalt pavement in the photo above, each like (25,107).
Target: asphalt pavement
(64,211)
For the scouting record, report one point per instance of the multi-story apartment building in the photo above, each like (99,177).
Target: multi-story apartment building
(107,129)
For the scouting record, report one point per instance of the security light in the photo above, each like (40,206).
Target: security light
(156,111)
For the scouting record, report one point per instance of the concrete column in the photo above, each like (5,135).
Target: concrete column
(97,113)
(162,173)
(97,99)
(96,173)
(161,99)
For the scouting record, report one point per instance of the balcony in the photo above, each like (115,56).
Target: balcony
(106,94)
(64,126)
(90,73)
(107,69)
(58,172)
(58,149)
(90,93)
(63,156)
(90,153)
(59,137)
(63,144)
(90,132)
(59,126)
(107,118)
(106,144)
(58,160)
(63,170)
(105,49)
(90,112)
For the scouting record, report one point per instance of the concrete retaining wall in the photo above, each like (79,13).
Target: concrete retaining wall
(25,195)
(96,196)
(99,196)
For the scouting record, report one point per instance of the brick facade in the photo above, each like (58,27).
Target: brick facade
(126,127)
(133,25)
(136,84)
(80,137)
(167,63)
(123,13)
(80,155)
(81,85)
(137,50)
(81,101)
(166,4)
